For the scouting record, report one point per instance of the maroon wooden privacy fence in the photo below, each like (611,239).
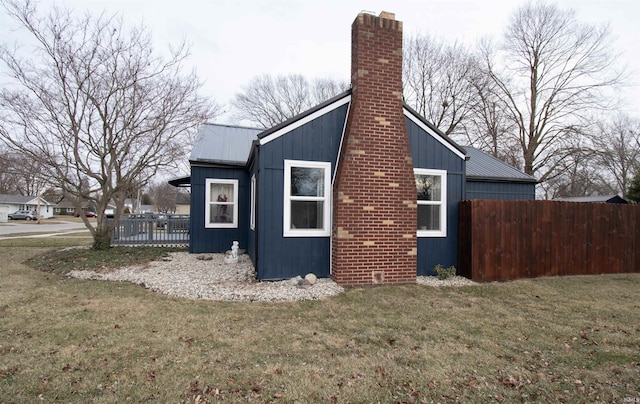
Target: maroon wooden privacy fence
(504,240)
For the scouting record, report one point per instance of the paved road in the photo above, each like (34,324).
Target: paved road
(55,226)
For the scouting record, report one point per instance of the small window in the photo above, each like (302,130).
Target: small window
(431,186)
(307,202)
(221,203)
(253,202)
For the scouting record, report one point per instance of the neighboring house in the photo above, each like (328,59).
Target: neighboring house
(66,207)
(595,199)
(360,188)
(183,203)
(25,202)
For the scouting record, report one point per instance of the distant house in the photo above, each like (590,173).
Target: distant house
(360,188)
(13,203)
(66,208)
(596,199)
(183,203)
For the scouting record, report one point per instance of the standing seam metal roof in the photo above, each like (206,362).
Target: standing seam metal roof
(483,166)
(223,144)
(227,144)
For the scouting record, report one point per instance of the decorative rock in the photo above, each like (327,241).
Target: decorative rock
(187,276)
(304,284)
(230,259)
(311,278)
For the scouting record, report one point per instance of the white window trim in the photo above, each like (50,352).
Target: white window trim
(252,219)
(287,230)
(443,203)
(207,211)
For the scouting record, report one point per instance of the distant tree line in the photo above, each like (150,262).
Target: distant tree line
(90,109)
(541,98)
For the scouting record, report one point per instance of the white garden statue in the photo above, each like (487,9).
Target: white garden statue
(233,258)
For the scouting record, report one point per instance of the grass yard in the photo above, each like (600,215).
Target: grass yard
(573,339)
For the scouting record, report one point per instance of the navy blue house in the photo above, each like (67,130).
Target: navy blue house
(273,190)
(247,166)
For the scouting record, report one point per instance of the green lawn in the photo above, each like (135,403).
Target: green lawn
(573,339)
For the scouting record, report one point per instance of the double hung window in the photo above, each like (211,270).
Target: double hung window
(221,203)
(307,202)
(431,186)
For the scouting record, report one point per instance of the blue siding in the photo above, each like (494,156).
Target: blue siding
(285,257)
(427,152)
(500,190)
(205,240)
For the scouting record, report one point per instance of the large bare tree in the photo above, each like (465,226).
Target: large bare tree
(439,81)
(91,100)
(616,145)
(551,72)
(267,101)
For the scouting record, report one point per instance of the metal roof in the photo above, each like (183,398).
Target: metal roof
(595,198)
(484,167)
(231,145)
(223,144)
(21,199)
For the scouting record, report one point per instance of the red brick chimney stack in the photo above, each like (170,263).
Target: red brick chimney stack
(374,197)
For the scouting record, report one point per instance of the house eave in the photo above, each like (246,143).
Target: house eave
(428,127)
(472,178)
(217,163)
(303,118)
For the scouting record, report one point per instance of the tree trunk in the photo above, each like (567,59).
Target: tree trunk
(102,239)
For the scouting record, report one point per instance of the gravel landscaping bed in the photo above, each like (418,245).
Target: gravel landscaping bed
(208,277)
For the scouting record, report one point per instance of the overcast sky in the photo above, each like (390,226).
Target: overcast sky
(234,40)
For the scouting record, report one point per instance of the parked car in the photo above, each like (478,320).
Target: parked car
(87,213)
(23,215)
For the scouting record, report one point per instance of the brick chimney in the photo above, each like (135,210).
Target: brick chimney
(374,195)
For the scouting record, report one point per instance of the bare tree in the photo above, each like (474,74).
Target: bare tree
(20,174)
(438,81)
(488,126)
(577,174)
(10,180)
(551,73)
(163,196)
(93,101)
(267,101)
(616,146)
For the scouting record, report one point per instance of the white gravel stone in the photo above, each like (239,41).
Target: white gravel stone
(453,281)
(183,275)
(311,278)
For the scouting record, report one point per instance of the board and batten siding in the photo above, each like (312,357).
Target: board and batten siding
(282,257)
(427,152)
(208,240)
(500,190)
